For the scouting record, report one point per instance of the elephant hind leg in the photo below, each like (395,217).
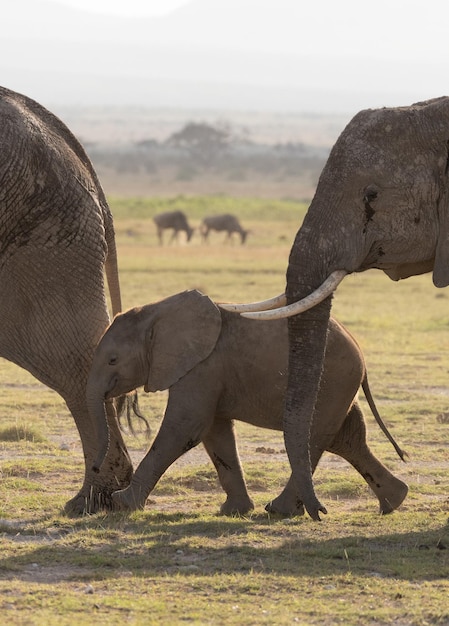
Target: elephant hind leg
(350,443)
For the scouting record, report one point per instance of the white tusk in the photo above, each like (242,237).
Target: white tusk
(320,294)
(263,305)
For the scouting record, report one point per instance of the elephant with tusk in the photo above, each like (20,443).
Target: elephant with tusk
(220,367)
(382,201)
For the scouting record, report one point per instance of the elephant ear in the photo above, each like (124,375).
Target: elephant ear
(184,333)
(441,137)
(440,275)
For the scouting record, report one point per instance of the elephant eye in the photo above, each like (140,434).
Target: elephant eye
(370,195)
(368,198)
(113,360)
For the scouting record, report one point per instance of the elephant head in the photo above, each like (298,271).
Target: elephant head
(382,201)
(144,346)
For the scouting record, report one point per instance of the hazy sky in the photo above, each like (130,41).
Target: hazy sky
(396,29)
(126,7)
(313,55)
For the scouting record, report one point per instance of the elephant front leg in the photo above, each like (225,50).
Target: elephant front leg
(145,478)
(181,430)
(221,446)
(350,443)
(116,471)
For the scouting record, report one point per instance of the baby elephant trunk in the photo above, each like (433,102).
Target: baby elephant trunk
(97,411)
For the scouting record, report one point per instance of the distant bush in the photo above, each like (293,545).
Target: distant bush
(21,433)
(198,147)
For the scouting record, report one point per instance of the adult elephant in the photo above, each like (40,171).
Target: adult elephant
(56,240)
(382,201)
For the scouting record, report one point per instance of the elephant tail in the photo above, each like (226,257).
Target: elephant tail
(128,406)
(111,265)
(369,398)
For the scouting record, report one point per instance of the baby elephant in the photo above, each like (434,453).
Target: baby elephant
(218,367)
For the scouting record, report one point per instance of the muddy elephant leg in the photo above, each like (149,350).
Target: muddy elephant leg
(350,443)
(221,446)
(69,380)
(116,471)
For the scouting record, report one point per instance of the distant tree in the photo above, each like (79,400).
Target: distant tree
(147,143)
(203,142)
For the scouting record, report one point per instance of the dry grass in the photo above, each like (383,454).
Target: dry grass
(178,561)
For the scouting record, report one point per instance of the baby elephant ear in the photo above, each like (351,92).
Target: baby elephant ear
(184,333)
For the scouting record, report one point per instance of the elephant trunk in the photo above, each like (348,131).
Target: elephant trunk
(97,412)
(307,343)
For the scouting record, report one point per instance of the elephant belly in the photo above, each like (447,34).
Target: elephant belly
(260,406)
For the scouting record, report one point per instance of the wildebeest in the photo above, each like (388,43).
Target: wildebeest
(225,222)
(176,220)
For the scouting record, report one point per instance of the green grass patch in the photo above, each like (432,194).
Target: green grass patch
(198,207)
(21,432)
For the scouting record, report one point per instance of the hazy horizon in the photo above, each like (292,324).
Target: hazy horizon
(246,55)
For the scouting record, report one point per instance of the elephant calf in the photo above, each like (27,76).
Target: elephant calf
(219,367)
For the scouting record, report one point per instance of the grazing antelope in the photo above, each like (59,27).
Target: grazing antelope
(225,222)
(176,220)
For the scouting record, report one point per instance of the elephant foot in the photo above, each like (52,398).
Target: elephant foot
(237,506)
(130,499)
(391,498)
(89,503)
(96,493)
(285,506)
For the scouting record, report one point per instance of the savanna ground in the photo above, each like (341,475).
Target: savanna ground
(178,561)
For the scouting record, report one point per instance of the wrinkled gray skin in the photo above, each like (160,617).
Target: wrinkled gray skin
(56,240)
(175,221)
(382,201)
(219,367)
(223,223)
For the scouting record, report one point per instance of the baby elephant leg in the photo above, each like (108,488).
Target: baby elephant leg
(221,446)
(350,443)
